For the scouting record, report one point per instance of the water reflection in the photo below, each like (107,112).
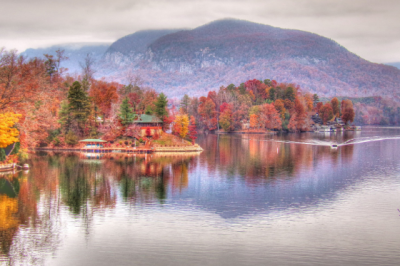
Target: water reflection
(235,176)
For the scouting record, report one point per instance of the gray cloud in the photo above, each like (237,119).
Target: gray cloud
(369,28)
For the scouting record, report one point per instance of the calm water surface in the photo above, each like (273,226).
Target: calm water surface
(246,200)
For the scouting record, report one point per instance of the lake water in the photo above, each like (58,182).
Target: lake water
(246,200)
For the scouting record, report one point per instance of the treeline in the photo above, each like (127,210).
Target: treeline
(40,105)
(262,105)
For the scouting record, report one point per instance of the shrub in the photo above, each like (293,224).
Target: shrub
(57,142)
(71,138)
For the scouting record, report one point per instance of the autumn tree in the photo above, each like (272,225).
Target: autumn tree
(298,121)
(335,107)
(182,125)
(269,117)
(318,106)
(254,121)
(103,95)
(20,81)
(192,129)
(280,107)
(347,111)
(147,102)
(308,98)
(289,105)
(326,112)
(225,119)
(207,112)
(8,133)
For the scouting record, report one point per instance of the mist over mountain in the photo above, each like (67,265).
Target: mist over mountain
(232,51)
(76,53)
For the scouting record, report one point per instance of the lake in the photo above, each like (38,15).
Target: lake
(285,199)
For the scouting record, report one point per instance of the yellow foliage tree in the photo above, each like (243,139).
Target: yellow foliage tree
(8,134)
(183,121)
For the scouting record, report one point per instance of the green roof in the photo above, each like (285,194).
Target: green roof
(92,140)
(148,119)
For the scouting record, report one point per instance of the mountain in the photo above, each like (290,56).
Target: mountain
(222,52)
(76,53)
(233,51)
(397,64)
(132,48)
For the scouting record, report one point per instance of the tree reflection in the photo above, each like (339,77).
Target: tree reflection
(32,204)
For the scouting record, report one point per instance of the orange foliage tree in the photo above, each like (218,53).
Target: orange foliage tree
(280,107)
(326,112)
(254,121)
(335,107)
(104,94)
(269,117)
(207,112)
(347,111)
(298,121)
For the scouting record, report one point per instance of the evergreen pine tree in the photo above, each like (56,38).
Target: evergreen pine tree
(125,112)
(79,102)
(161,105)
(64,116)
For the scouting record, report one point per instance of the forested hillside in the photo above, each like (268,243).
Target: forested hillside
(233,51)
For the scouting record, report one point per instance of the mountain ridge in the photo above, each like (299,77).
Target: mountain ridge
(226,51)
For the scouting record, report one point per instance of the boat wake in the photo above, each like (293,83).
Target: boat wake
(367,139)
(333,143)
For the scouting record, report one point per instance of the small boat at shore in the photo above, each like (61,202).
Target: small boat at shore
(7,167)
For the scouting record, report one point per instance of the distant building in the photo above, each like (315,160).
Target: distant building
(92,143)
(149,121)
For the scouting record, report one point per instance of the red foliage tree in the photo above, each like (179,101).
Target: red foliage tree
(318,106)
(192,129)
(104,94)
(207,112)
(299,120)
(347,111)
(335,107)
(270,117)
(326,112)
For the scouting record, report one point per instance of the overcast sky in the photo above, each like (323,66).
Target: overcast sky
(369,28)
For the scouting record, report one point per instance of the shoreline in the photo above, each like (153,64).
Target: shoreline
(154,149)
